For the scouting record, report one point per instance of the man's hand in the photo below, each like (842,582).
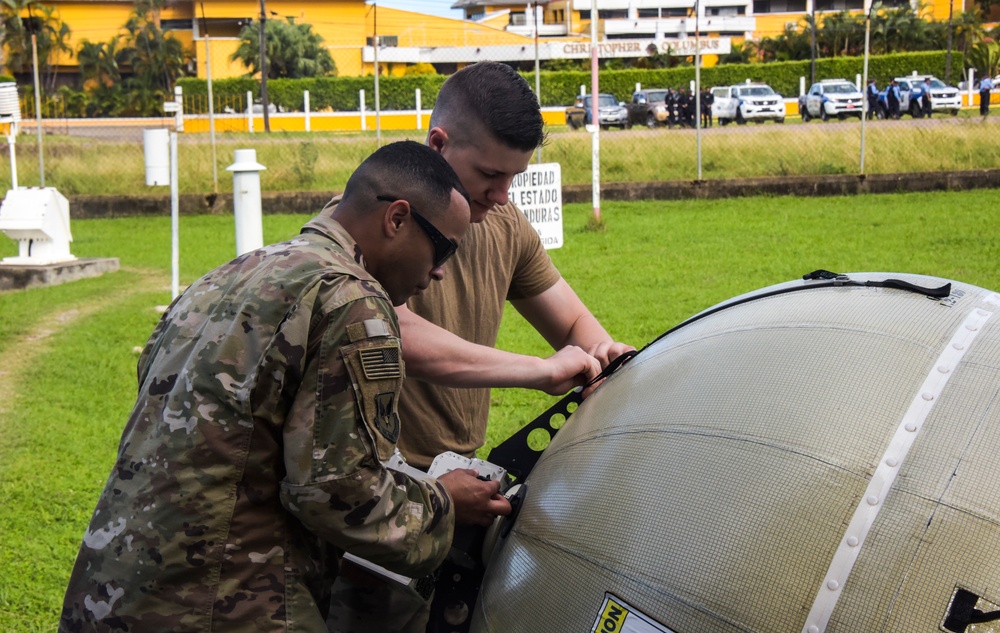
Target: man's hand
(477,502)
(568,368)
(607,351)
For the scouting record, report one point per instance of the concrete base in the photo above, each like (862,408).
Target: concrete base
(19,277)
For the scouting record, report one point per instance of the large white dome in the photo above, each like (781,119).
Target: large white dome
(821,459)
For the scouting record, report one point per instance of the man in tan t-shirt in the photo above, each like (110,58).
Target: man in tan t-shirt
(487,124)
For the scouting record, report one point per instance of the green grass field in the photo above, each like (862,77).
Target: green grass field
(68,353)
(299,161)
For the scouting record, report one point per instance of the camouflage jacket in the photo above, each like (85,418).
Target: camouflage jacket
(252,458)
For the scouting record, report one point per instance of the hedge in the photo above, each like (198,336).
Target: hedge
(560,87)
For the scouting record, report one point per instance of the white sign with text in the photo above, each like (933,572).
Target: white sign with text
(537,192)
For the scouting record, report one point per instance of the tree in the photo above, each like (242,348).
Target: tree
(135,71)
(51,35)
(292,50)
(740,53)
(841,34)
(99,63)
(155,57)
(969,30)
(792,44)
(985,58)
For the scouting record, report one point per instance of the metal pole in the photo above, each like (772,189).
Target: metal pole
(812,63)
(378,108)
(538,81)
(175,257)
(38,111)
(697,83)
(595,146)
(211,101)
(11,139)
(947,58)
(265,103)
(864,81)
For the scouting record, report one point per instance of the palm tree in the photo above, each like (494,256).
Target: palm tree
(155,58)
(741,53)
(51,35)
(985,58)
(52,38)
(293,50)
(969,30)
(841,33)
(99,63)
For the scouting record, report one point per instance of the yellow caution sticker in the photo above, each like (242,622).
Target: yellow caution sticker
(617,616)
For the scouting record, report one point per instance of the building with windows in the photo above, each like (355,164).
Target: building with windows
(503,31)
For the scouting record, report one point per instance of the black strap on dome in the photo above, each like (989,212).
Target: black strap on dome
(898,284)
(962,612)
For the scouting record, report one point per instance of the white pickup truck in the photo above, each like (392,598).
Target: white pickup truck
(747,102)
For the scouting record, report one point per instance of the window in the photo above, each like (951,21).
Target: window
(612,14)
(175,25)
(384,40)
(782,6)
(649,13)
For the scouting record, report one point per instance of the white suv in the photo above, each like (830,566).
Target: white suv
(747,102)
(944,98)
(832,97)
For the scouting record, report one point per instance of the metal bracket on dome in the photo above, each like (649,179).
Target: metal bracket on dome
(516,455)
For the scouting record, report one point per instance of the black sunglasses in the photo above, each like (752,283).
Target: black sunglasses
(444,247)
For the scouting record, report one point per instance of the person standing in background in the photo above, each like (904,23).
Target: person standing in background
(985,87)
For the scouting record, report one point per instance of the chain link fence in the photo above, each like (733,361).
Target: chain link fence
(657,141)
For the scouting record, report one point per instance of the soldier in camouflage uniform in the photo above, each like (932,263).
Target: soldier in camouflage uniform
(267,402)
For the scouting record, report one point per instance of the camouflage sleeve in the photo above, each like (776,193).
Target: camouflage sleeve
(342,425)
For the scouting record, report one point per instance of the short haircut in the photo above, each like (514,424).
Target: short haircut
(407,170)
(490,97)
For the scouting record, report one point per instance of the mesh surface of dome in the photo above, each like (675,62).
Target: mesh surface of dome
(821,459)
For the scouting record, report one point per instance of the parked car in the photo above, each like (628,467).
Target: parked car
(944,98)
(648,108)
(831,98)
(747,102)
(610,112)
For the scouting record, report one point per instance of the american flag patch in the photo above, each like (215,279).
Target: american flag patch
(380,363)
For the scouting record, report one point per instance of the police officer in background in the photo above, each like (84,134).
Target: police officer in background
(871,92)
(925,97)
(267,404)
(985,86)
(670,101)
(892,99)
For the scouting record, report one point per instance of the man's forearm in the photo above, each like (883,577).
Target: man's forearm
(435,355)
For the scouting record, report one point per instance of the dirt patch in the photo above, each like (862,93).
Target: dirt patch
(25,351)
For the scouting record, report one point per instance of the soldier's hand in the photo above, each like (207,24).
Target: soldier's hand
(477,502)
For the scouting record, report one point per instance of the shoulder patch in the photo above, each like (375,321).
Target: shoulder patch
(386,418)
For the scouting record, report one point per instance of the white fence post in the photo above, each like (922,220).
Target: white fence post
(305,106)
(420,123)
(249,112)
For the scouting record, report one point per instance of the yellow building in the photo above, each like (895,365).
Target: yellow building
(504,31)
